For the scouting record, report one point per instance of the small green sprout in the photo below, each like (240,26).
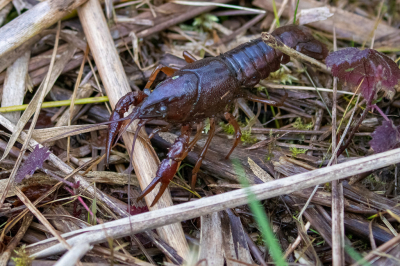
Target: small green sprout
(201,24)
(207,125)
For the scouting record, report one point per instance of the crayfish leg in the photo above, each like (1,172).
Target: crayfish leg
(159,129)
(238,133)
(169,71)
(203,153)
(189,58)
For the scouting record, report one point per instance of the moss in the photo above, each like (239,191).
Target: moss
(296,151)
(298,124)
(282,76)
(22,258)
(246,138)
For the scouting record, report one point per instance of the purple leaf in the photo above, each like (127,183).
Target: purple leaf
(375,70)
(385,137)
(34,161)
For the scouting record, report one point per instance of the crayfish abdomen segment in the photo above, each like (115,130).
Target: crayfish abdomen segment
(255,60)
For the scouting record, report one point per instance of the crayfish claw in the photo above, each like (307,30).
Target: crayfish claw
(149,188)
(122,106)
(160,193)
(165,173)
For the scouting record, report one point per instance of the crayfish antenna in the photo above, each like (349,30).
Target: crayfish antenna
(139,126)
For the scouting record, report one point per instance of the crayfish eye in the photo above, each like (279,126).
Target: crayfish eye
(163,110)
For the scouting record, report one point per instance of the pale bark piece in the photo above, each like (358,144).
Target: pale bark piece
(14,86)
(211,240)
(307,16)
(4,3)
(234,240)
(145,160)
(338,237)
(32,22)
(348,25)
(149,220)
(258,171)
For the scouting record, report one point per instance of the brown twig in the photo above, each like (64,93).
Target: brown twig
(276,44)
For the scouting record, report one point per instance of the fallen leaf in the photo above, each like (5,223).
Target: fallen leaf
(370,68)
(33,162)
(385,137)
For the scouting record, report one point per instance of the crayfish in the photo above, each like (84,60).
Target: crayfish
(204,89)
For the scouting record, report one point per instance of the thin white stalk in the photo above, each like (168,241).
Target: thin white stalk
(189,3)
(150,220)
(74,255)
(291,87)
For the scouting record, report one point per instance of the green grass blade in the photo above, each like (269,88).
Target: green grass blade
(22,107)
(261,217)
(295,12)
(356,256)
(275,13)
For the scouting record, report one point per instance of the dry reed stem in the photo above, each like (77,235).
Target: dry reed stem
(338,237)
(145,161)
(32,22)
(292,87)
(55,133)
(189,210)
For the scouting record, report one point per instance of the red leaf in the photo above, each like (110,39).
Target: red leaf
(34,161)
(138,210)
(385,137)
(375,70)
